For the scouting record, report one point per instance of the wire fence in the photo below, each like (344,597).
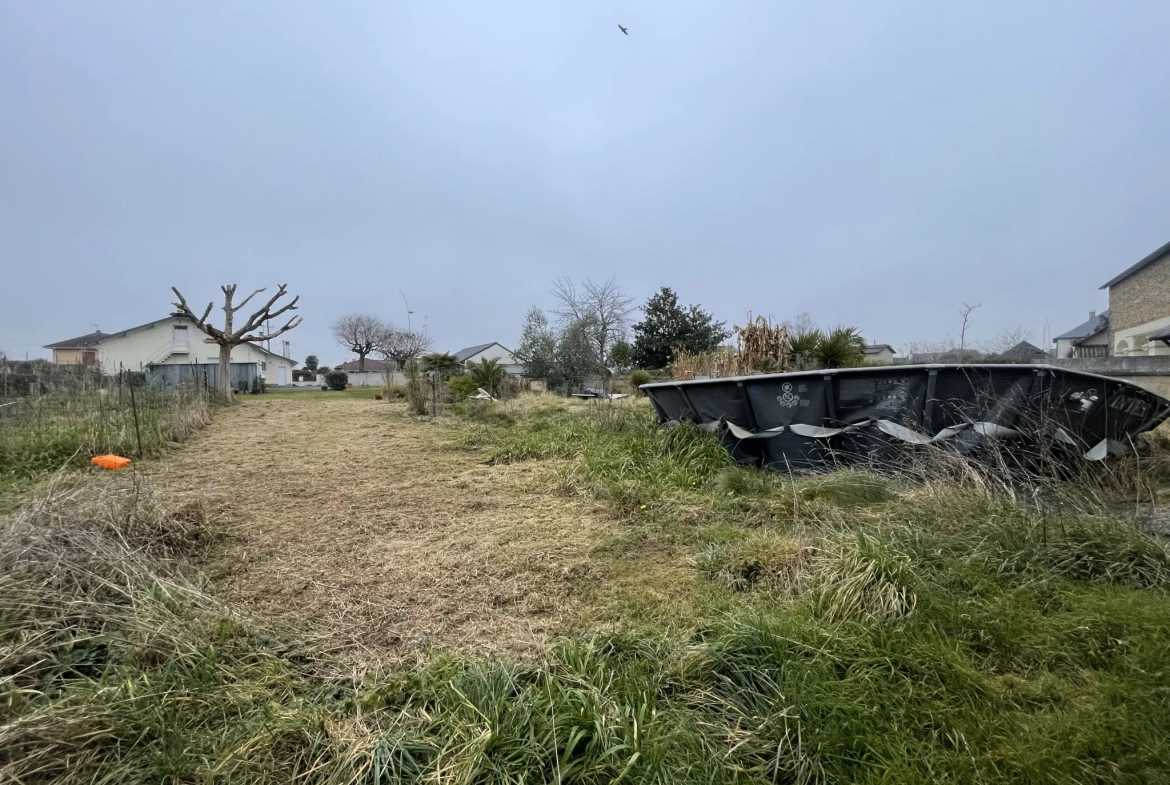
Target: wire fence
(56,416)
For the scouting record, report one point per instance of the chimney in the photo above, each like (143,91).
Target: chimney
(1092,315)
(286,348)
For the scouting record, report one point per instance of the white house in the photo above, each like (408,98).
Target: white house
(174,340)
(490,351)
(1089,339)
(879,354)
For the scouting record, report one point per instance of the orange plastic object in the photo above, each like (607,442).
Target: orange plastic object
(111,461)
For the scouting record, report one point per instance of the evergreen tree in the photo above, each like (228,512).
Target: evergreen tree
(621,355)
(667,326)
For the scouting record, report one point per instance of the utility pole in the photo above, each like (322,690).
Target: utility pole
(408,311)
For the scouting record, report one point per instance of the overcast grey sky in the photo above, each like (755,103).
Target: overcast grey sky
(872,163)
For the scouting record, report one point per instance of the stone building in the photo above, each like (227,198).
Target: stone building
(1139,307)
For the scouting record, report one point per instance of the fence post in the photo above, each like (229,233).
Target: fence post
(134,407)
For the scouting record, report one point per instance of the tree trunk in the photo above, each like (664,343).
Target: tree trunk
(223,380)
(361,363)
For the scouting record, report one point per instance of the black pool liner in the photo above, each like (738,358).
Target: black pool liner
(788,421)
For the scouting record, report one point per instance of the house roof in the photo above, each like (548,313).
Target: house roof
(80,342)
(372,366)
(471,351)
(1161,253)
(95,338)
(1022,351)
(874,348)
(1085,329)
(1161,335)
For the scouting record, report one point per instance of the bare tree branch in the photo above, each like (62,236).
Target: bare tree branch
(200,321)
(965,313)
(1007,339)
(293,322)
(257,318)
(246,299)
(291,306)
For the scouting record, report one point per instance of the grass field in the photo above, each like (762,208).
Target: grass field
(322,589)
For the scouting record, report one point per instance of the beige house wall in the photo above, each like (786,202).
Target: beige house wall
(67,356)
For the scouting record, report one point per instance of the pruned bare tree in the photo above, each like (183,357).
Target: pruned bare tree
(603,307)
(231,336)
(401,346)
(360,333)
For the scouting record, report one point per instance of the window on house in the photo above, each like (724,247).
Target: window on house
(264,366)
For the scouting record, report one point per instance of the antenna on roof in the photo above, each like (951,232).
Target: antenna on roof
(96,329)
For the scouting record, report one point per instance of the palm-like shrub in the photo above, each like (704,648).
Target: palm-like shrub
(488,374)
(841,347)
(462,386)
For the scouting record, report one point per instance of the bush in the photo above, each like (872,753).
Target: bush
(394,392)
(488,374)
(337,380)
(639,377)
(462,386)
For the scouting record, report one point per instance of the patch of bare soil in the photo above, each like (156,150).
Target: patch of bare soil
(352,521)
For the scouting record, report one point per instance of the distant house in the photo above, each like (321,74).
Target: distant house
(81,350)
(174,340)
(1088,339)
(1139,306)
(879,354)
(376,374)
(1021,352)
(490,351)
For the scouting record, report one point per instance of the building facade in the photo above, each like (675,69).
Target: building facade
(1139,306)
(175,340)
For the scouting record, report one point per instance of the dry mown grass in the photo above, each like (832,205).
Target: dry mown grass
(350,519)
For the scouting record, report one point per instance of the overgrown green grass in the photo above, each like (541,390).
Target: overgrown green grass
(42,434)
(887,633)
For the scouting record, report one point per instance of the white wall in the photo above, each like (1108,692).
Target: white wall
(372,378)
(500,354)
(157,345)
(1132,342)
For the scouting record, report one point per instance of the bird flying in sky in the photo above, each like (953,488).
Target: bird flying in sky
(624,30)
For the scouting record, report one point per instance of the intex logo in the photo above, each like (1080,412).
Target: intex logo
(787,398)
